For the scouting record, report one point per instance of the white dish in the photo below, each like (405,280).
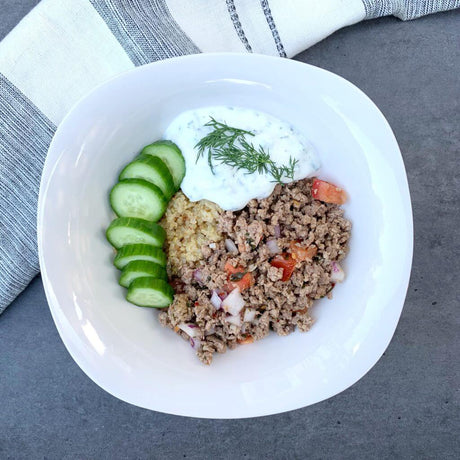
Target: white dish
(123,348)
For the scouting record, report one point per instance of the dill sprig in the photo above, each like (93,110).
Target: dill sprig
(222,137)
(278,172)
(228,145)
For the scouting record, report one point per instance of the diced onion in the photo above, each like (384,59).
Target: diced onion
(190,329)
(233,303)
(273,247)
(222,294)
(249,315)
(198,276)
(337,273)
(277,231)
(212,245)
(231,246)
(195,343)
(216,300)
(236,320)
(211,331)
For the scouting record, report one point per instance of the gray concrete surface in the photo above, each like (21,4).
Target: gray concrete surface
(406,407)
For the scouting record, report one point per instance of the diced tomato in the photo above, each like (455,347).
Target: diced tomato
(246,281)
(246,340)
(286,262)
(300,253)
(329,193)
(230,269)
(237,277)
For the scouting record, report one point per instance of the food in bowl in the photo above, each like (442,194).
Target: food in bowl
(271,261)
(235,154)
(250,242)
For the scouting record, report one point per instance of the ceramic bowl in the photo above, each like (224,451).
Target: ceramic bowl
(123,348)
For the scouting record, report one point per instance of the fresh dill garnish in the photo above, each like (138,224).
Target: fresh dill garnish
(222,137)
(278,172)
(228,145)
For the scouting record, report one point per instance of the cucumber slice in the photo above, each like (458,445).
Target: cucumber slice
(170,153)
(150,292)
(138,198)
(151,169)
(131,252)
(141,268)
(129,230)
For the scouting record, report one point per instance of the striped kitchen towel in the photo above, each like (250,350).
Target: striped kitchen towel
(63,48)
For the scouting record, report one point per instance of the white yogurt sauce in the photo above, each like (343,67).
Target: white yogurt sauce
(229,188)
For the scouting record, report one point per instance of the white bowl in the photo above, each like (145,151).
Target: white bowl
(123,348)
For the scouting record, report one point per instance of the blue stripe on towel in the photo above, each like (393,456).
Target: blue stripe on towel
(407,9)
(271,23)
(25,134)
(145,29)
(231,8)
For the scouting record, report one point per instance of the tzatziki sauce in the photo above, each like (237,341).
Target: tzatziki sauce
(229,188)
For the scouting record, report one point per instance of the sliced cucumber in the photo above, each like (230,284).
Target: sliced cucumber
(151,169)
(131,252)
(130,230)
(141,268)
(170,153)
(138,198)
(150,292)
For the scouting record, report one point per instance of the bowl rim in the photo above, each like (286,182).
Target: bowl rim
(50,163)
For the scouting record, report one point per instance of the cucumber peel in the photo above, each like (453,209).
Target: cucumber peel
(138,198)
(150,292)
(141,268)
(130,230)
(170,153)
(132,252)
(153,170)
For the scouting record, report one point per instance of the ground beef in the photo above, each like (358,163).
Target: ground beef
(289,216)
(180,311)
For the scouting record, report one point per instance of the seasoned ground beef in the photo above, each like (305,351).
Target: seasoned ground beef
(289,227)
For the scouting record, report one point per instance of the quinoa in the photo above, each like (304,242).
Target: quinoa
(189,226)
(280,226)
